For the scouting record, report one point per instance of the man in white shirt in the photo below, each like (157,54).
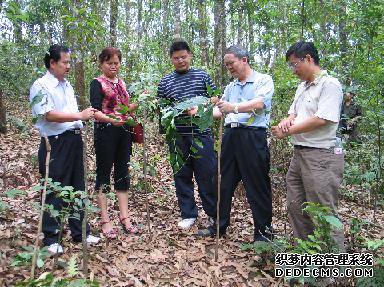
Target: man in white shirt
(316,168)
(55,108)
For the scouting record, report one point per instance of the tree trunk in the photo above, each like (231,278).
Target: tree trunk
(139,20)
(203,32)
(129,64)
(3,120)
(343,34)
(113,21)
(240,12)
(80,83)
(176,19)
(17,30)
(79,44)
(165,30)
(251,35)
(219,41)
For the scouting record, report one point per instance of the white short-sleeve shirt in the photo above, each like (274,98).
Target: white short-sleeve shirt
(321,98)
(49,94)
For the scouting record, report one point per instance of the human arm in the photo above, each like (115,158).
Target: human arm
(63,117)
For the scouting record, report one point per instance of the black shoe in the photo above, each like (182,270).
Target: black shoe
(206,232)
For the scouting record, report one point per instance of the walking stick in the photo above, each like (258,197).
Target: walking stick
(218,188)
(43,197)
(86,202)
(146,183)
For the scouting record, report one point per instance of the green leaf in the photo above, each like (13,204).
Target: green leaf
(37,99)
(333,221)
(72,266)
(39,262)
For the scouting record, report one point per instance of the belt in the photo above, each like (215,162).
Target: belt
(242,126)
(308,147)
(67,133)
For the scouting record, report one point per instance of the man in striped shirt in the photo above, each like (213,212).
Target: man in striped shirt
(182,84)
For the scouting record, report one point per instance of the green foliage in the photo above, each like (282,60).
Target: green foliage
(13,193)
(171,115)
(25,258)
(3,207)
(321,240)
(376,281)
(49,280)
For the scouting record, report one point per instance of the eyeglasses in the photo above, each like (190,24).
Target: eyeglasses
(292,66)
(178,59)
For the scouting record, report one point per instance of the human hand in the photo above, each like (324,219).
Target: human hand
(133,106)
(87,114)
(225,107)
(278,132)
(285,124)
(192,111)
(118,123)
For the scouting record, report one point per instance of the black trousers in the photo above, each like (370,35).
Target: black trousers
(66,167)
(245,156)
(202,164)
(113,147)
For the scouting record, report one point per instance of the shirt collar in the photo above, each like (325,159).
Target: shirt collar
(250,79)
(53,81)
(318,79)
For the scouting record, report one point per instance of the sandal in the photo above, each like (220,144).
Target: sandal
(133,229)
(111,234)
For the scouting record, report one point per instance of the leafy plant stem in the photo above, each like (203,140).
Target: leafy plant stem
(43,197)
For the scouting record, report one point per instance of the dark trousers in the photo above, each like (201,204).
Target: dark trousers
(200,161)
(66,167)
(113,147)
(245,156)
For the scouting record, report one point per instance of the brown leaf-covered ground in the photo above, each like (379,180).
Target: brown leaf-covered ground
(164,257)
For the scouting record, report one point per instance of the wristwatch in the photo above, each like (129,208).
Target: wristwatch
(236,109)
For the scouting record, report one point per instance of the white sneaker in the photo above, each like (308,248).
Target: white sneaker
(92,239)
(186,223)
(55,248)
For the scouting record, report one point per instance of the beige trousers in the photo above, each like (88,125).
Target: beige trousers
(314,175)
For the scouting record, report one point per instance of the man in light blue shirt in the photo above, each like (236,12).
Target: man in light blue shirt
(244,152)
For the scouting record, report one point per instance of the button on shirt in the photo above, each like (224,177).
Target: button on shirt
(321,98)
(56,96)
(257,86)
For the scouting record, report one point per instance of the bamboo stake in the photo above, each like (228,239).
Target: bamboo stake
(218,188)
(43,197)
(86,201)
(146,183)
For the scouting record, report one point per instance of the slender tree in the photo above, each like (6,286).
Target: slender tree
(114,14)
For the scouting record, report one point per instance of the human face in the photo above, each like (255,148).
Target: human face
(61,68)
(235,65)
(300,66)
(181,60)
(111,67)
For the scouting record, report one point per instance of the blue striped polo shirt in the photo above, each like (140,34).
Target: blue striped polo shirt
(177,87)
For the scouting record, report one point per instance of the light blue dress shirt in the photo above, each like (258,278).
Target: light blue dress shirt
(56,96)
(257,86)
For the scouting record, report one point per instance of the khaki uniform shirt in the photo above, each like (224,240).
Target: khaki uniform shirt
(321,98)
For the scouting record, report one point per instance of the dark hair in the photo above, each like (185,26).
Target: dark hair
(301,49)
(239,51)
(108,53)
(179,45)
(54,53)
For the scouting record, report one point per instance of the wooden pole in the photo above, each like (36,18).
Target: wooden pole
(43,197)
(146,183)
(218,188)
(85,202)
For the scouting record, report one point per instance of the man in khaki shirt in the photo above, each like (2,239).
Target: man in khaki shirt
(316,168)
